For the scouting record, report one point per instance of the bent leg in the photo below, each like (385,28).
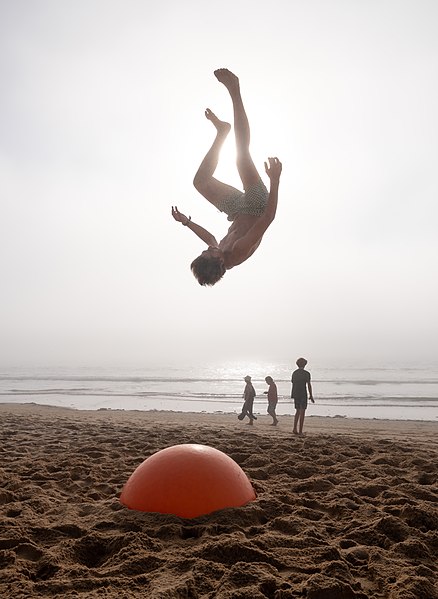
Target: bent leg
(213,190)
(245,165)
(245,410)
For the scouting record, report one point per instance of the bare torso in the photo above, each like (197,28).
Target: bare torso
(239,228)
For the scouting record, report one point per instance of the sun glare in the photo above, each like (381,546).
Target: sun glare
(227,170)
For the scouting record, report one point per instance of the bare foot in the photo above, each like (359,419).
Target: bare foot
(222,126)
(229,79)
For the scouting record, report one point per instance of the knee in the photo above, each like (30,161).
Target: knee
(202,184)
(199,182)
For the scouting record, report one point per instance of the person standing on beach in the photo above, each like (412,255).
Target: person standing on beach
(300,385)
(251,211)
(272,399)
(248,401)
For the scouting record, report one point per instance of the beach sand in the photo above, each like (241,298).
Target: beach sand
(347,512)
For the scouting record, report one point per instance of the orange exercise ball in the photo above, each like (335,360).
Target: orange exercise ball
(188,481)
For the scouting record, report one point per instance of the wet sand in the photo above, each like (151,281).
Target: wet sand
(348,511)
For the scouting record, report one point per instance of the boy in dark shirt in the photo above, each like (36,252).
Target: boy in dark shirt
(248,401)
(300,385)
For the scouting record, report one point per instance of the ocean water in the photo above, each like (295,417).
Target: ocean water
(392,392)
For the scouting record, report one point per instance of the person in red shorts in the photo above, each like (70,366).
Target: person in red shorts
(272,399)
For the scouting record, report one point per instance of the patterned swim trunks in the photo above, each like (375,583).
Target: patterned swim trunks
(253,201)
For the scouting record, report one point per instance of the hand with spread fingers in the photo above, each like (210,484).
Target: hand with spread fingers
(180,217)
(273,169)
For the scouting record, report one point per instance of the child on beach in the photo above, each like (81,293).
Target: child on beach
(272,399)
(300,385)
(251,211)
(248,401)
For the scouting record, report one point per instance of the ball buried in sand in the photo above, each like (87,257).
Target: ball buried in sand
(187,480)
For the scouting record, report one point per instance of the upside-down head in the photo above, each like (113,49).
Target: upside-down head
(208,269)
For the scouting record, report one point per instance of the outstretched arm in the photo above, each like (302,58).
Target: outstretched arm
(202,233)
(273,170)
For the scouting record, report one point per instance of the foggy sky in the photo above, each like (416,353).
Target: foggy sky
(102,128)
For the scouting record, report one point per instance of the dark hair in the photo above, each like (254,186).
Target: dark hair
(208,270)
(301,362)
(269,379)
